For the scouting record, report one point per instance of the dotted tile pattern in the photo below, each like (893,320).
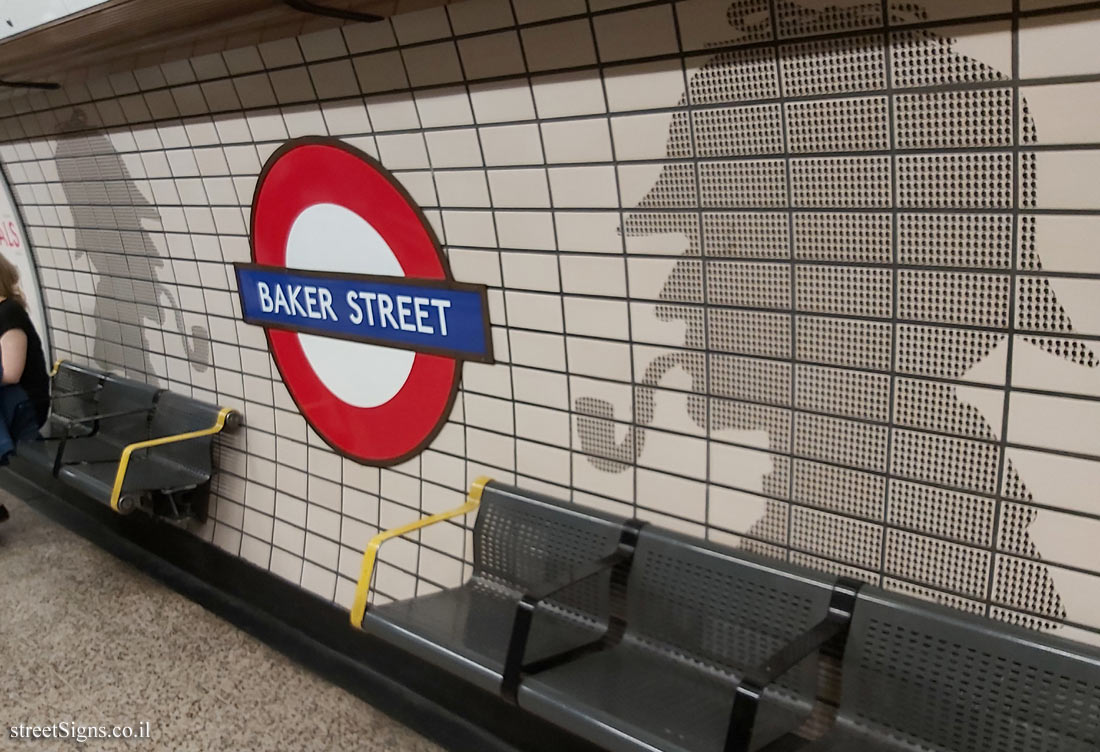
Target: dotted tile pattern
(762,272)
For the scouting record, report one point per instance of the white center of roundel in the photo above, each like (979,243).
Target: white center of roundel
(331,238)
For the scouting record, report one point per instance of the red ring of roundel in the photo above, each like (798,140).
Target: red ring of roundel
(296,177)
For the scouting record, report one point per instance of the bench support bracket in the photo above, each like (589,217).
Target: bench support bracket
(829,636)
(619,561)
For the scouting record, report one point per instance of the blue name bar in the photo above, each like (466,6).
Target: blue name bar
(434,316)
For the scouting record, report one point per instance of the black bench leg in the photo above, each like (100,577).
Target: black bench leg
(743,716)
(517,648)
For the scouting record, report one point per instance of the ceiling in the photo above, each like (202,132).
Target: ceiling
(131,34)
(17,16)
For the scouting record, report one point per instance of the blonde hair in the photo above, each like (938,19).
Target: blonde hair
(9,282)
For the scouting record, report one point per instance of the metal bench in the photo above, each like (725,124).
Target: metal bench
(704,625)
(919,676)
(547,581)
(157,454)
(634,637)
(710,649)
(129,444)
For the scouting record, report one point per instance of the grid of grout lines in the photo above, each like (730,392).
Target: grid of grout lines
(751,269)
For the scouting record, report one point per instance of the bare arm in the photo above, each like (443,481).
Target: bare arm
(13,355)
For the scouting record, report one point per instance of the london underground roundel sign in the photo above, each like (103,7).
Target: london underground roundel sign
(363,319)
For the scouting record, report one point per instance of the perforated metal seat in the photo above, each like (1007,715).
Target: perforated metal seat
(174,415)
(41,453)
(632,698)
(466,630)
(127,406)
(171,478)
(521,540)
(75,392)
(144,474)
(917,675)
(101,447)
(75,395)
(698,616)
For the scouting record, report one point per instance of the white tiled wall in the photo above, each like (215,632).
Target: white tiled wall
(815,278)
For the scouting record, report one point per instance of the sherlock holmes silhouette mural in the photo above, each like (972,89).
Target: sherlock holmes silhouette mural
(819,281)
(112,222)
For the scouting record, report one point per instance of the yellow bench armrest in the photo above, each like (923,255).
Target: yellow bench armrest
(370,556)
(124,461)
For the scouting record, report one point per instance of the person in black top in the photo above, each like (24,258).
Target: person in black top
(24,381)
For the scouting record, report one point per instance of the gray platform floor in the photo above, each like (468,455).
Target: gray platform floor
(88,639)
